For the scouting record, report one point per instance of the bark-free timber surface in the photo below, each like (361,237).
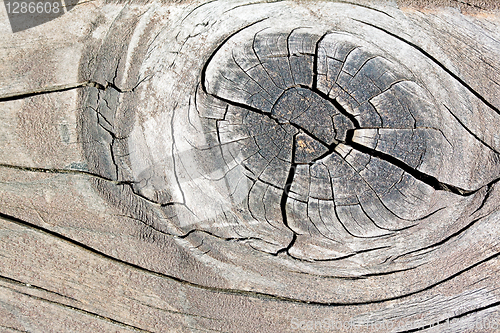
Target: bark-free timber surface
(251,167)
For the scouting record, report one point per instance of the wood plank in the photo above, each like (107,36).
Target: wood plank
(251,167)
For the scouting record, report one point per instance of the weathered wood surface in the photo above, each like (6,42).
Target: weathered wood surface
(251,167)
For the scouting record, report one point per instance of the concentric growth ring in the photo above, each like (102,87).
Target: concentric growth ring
(286,148)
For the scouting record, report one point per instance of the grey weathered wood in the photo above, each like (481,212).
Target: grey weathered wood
(246,167)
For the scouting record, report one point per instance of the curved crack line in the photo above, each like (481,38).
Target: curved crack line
(357,277)
(443,241)
(260,60)
(28,285)
(320,220)
(216,50)
(284,197)
(433,59)
(327,225)
(315,62)
(374,191)
(66,171)
(337,214)
(80,310)
(373,221)
(423,177)
(65,87)
(230,291)
(447,320)
(47,90)
(470,132)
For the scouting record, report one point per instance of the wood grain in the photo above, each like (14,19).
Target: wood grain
(251,167)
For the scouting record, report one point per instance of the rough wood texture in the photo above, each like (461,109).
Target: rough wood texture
(251,167)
